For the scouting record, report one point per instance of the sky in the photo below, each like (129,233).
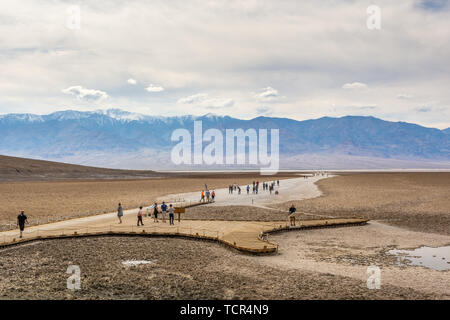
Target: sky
(243,58)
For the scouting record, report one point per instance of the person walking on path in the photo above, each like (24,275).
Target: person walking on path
(202,196)
(155,213)
(208,194)
(120,212)
(140,217)
(21,220)
(292,210)
(248,189)
(278,183)
(213,195)
(164,211)
(171,214)
(239,190)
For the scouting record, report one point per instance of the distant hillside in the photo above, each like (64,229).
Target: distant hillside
(13,168)
(120,139)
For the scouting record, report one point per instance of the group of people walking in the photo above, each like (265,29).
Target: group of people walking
(255,187)
(165,211)
(234,187)
(265,186)
(207,196)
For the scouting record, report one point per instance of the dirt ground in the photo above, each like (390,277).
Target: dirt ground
(22,169)
(417,201)
(46,201)
(179,269)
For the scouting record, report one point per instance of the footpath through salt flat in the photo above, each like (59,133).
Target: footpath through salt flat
(243,235)
(289,189)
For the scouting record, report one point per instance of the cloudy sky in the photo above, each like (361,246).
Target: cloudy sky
(244,58)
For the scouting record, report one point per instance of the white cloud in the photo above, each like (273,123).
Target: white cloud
(404,96)
(203,100)
(424,109)
(153,88)
(216,103)
(193,99)
(267,94)
(132,81)
(264,111)
(354,86)
(85,94)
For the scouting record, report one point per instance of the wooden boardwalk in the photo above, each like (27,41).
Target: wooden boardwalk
(245,236)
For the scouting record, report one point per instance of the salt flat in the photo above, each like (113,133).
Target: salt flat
(289,189)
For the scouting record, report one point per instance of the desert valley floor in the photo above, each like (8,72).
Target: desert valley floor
(406,211)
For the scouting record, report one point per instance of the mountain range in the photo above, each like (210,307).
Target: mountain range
(119,139)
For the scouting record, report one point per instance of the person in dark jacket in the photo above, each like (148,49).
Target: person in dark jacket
(155,213)
(292,210)
(21,220)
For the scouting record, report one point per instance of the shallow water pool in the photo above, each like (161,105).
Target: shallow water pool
(135,263)
(432,258)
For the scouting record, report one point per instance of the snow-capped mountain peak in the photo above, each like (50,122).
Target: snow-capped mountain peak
(25,117)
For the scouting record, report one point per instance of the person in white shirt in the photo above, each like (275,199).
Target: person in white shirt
(140,217)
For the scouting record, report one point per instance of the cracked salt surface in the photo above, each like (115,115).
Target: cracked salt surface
(432,258)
